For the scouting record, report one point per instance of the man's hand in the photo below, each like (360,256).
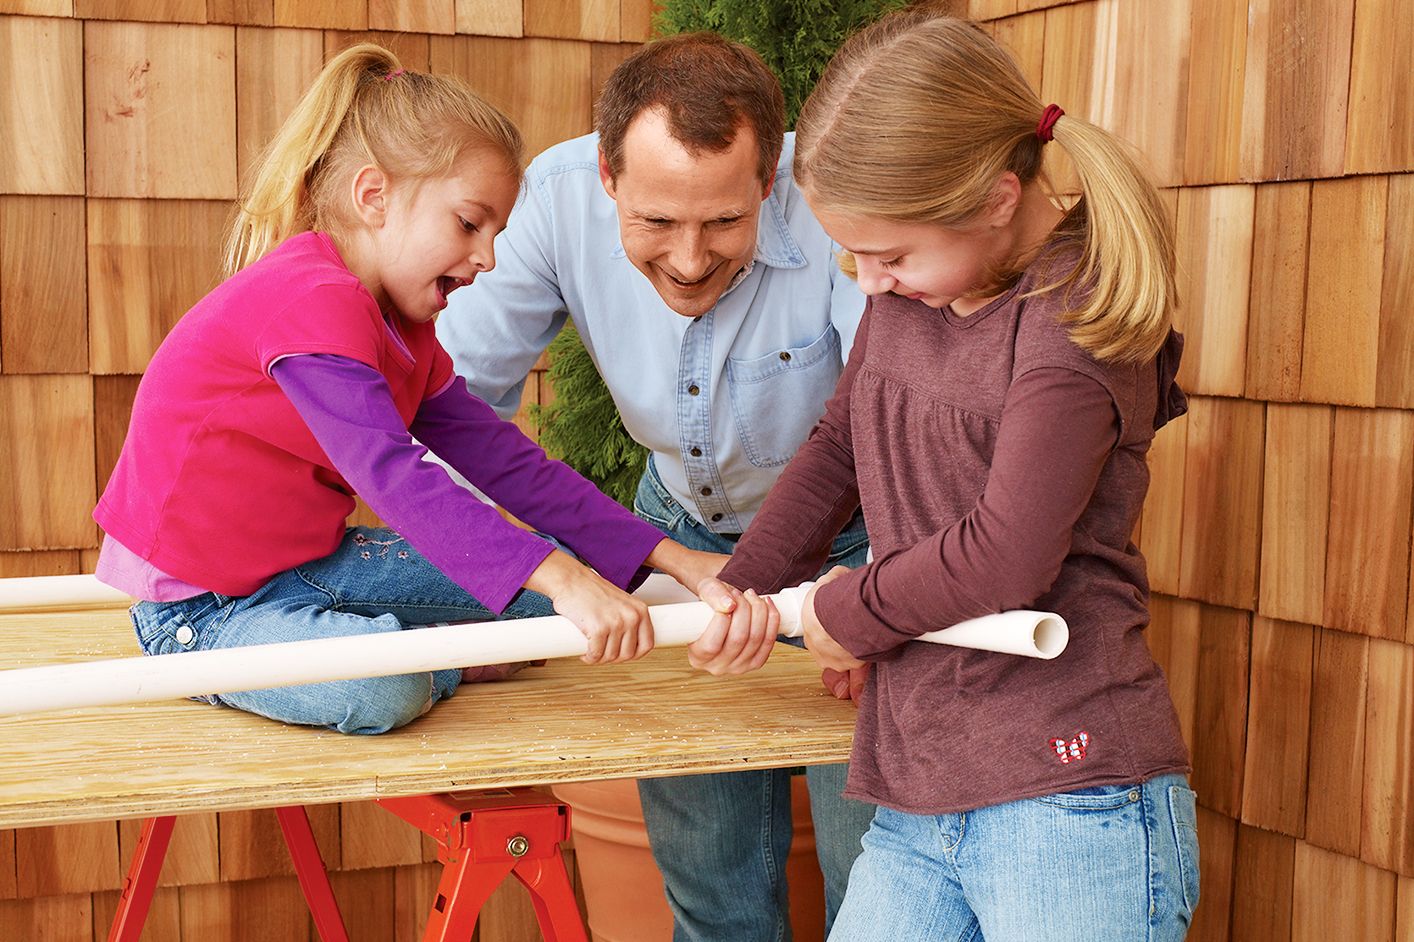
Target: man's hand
(845,685)
(827,651)
(493,672)
(740,636)
(688,566)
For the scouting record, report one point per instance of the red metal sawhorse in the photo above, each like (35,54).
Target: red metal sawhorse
(481,839)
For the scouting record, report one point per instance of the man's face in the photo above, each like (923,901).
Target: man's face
(687,221)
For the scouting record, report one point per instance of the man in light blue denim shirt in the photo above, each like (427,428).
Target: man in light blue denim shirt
(710,301)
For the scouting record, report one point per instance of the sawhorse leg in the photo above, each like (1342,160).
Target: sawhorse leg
(136,897)
(481,839)
(313,878)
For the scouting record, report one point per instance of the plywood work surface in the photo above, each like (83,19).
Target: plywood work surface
(563,722)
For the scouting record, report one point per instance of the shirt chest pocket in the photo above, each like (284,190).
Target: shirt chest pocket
(777,397)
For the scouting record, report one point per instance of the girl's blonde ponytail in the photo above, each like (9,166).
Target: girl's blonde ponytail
(919,115)
(363,108)
(1127,263)
(276,202)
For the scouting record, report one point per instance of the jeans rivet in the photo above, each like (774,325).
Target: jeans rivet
(1134,796)
(184,634)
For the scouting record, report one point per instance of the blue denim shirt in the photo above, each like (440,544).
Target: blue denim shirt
(723,400)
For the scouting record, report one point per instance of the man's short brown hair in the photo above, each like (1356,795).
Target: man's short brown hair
(708,86)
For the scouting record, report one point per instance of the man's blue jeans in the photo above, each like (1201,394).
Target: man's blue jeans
(374,582)
(721,839)
(1118,863)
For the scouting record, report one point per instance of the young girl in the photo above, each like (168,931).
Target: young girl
(303,379)
(1013,365)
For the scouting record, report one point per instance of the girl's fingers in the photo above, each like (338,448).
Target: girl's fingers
(753,630)
(628,640)
(768,643)
(709,644)
(598,638)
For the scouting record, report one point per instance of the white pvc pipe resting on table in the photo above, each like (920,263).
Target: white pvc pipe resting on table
(195,673)
(49,593)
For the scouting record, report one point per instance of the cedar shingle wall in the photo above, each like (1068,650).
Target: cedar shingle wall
(1278,524)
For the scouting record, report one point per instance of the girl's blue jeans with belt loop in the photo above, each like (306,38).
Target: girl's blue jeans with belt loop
(721,840)
(1118,863)
(374,582)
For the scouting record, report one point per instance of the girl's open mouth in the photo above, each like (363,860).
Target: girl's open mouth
(447,284)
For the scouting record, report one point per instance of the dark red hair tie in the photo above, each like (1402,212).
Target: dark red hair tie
(1049,117)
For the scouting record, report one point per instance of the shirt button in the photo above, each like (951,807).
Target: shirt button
(693,390)
(716,517)
(695,452)
(785,355)
(184,634)
(706,492)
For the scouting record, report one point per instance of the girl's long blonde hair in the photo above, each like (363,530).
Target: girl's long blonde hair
(919,115)
(363,108)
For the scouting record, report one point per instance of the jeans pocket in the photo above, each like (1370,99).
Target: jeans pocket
(175,627)
(658,520)
(1099,798)
(653,504)
(848,543)
(1183,812)
(777,398)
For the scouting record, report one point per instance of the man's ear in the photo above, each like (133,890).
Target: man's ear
(606,176)
(370,195)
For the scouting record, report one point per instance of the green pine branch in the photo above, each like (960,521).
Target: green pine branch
(582,427)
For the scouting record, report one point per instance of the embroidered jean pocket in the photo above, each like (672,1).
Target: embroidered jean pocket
(1184,814)
(778,397)
(1100,798)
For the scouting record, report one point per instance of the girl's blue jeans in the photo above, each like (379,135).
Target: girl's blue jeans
(373,582)
(1117,863)
(721,839)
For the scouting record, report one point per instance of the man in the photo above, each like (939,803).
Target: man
(709,299)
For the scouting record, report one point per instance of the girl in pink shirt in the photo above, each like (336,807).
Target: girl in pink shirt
(1011,369)
(313,373)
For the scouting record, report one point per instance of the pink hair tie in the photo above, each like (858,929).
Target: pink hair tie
(1049,117)
(389,76)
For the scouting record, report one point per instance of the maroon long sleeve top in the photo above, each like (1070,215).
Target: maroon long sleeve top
(999,467)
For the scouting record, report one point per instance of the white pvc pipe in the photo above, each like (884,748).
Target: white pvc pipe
(194,673)
(67,593)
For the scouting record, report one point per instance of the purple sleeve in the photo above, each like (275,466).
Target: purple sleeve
(1058,428)
(350,410)
(512,470)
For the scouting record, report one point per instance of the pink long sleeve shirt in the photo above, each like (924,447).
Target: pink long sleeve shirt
(230,476)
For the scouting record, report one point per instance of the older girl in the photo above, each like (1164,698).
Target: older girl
(1013,365)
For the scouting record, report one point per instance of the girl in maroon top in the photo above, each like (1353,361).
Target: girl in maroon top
(1007,380)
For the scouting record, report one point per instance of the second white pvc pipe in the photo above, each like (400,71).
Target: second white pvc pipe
(195,673)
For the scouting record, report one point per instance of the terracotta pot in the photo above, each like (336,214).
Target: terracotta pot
(622,886)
